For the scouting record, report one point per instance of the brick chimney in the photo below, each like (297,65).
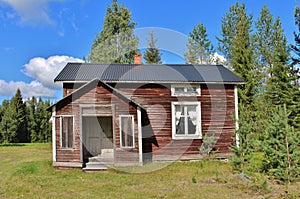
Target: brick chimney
(138,58)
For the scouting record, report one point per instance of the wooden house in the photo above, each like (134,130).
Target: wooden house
(130,114)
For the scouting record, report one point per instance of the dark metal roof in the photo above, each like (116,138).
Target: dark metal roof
(74,72)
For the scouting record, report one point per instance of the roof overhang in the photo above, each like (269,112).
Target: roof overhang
(91,84)
(152,82)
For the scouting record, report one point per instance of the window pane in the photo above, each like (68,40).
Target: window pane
(179,89)
(180,127)
(126,132)
(70,132)
(191,89)
(67,132)
(186,119)
(192,119)
(188,90)
(179,119)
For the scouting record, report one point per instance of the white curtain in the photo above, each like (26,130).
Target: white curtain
(178,113)
(192,111)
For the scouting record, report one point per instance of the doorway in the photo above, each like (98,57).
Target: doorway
(97,134)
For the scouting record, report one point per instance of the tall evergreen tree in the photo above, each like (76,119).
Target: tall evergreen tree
(296,46)
(116,42)
(296,68)
(244,149)
(229,28)
(264,41)
(19,111)
(281,147)
(237,46)
(279,86)
(152,54)
(39,127)
(32,119)
(7,124)
(200,49)
(44,133)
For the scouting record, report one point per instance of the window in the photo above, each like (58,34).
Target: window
(126,131)
(67,132)
(185,90)
(186,120)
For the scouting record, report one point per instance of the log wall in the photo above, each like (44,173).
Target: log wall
(96,97)
(217,109)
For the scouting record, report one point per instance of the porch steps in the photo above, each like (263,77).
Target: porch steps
(101,162)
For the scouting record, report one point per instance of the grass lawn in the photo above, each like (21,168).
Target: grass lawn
(26,172)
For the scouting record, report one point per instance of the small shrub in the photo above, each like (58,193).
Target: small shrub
(208,145)
(259,183)
(194,180)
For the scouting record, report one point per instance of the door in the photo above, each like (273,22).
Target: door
(97,134)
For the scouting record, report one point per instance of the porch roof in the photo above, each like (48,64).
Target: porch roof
(92,84)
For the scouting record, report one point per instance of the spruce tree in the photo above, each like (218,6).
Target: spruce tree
(296,46)
(8,124)
(264,42)
(243,150)
(32,120)
(236,44)
(39,127)
(229,28)
(280,87)
(281,147)
(19,112)
(295,114)
(44,132)
(152,54)
(116,42)
(200,49)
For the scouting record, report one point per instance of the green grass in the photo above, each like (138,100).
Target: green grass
(26,172)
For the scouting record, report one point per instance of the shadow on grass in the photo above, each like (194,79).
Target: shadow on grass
(11,144)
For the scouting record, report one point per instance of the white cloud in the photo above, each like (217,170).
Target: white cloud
(45,70)
(34,88)
(221,59)
(30,11)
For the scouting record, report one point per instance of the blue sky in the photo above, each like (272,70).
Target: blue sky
(38,37)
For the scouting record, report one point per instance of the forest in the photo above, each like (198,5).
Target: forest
(24,121)
(255,50)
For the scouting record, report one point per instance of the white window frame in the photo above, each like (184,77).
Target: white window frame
(120,127)
(61,130)
(198,134)
(185,93)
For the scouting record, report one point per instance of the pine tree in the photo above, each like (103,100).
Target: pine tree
(237,46)
(281,147)
(152,54)
(281,87)
(229,29)
(244,149)
(116,42)
(264,41)
(200,49)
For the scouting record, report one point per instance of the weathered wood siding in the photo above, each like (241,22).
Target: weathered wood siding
(96,97)
(217,108)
